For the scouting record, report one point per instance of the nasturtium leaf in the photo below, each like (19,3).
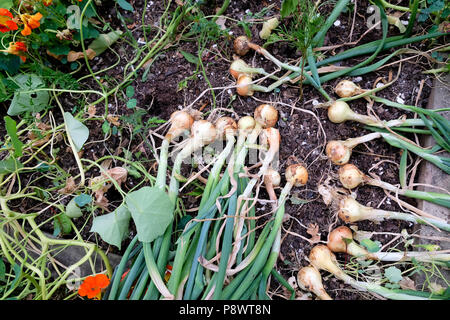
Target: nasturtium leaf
(151,210)
(82,199)
(72,210)
(61,224)
(77,131)
(371,246)
(9,165)
(393,274)
(113,227)
(11,128)
(25,99)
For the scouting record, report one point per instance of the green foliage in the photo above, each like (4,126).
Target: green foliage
(306,22)
(438,8)
(77,131)
(11,128)
(371,246)
(26,98)
(9,165)
(113,227)
(73,210)
(393,274)
(151,210)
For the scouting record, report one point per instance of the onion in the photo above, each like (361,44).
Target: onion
(297,175)
(266,115)
(244,85)
(203,132)
(341,240)
(347,88)
(339,151)
(309,278)
(339,111)
(350,176)
(181,121)
(323,259)
(241,45)
(225,126)
(350,210)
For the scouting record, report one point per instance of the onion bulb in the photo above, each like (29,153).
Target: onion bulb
(244,85)
(297,175)
(203,132)
(339,151)
(225,126)
(341,240)
(181,121)
(350,176)
(339,111)
(241,45)
(347,88)
(266,115)
(323,259)
(309,278)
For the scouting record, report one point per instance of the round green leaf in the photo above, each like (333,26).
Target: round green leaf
(151,210)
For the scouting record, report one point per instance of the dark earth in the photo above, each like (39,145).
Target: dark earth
(302,137)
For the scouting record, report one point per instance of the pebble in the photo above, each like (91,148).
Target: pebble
(337,23)
(400,98)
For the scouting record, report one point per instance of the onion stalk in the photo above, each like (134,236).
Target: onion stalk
(309,279)
(340,151)
(322,258)
(351,177)
(341,240)
(351,211)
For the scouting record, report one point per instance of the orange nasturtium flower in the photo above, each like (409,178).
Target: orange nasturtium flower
(17,48)
(168,273)
(30,22)
(6,21)
(92,286)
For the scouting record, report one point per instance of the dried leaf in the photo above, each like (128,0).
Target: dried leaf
(313,230)
(92,110)
(70,186)
(113,120)
(119,174)
(73,55)
(221,22)
(406,283)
